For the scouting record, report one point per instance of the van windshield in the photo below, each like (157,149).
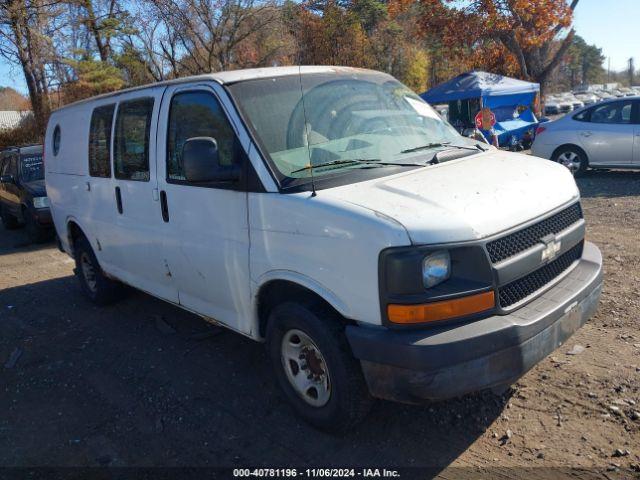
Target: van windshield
(31,168)
(339,122)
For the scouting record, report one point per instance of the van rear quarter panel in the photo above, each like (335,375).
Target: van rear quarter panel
(66,172)
(329,246)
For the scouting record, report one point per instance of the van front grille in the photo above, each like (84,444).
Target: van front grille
(520,289)
(519,241)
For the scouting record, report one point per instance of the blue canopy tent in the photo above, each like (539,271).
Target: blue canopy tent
(511,100)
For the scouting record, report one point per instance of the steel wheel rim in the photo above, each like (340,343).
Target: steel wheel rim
(571,160)
(88,272)
(305,368)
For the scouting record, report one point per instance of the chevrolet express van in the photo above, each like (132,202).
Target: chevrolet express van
(332,214)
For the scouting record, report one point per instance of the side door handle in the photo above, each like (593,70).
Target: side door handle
(119,200)
(164,207)
(586,134)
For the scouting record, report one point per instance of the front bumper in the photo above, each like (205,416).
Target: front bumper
(449,361)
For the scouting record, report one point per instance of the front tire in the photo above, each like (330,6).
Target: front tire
(314,366)
(95,285)
(573,158)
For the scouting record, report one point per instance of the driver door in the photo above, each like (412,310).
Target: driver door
(205,235)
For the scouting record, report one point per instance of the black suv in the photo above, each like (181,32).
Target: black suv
(23,197)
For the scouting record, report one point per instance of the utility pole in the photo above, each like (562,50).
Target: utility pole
(632,69)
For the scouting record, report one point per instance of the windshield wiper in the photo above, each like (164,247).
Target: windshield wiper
(442,144)
(368,161)
(424,147)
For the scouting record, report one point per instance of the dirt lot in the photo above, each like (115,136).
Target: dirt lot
(145,384)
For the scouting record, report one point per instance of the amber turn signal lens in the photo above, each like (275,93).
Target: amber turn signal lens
(446,309)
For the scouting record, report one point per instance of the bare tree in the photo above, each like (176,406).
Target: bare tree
(25,40)
(206,36)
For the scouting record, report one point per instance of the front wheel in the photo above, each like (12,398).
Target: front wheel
(314,366)
(572,158)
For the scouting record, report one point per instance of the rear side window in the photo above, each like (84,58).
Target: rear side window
(197,114)
(131,142)
(31,168)
(583,116)
(613,112)
(100,141)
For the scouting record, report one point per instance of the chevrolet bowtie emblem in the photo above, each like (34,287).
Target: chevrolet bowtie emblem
(551,248)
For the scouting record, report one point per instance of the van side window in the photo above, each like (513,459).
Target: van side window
(131,142)
(196,114)
(100,141)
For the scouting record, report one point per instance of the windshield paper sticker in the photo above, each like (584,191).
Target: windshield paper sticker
(422,108)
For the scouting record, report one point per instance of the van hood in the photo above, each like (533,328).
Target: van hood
(466,199)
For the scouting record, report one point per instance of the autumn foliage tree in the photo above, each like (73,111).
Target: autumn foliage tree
(530,35)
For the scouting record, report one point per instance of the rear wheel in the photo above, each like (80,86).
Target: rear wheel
(573,158)
(314,366)
(95,285)
(10,222)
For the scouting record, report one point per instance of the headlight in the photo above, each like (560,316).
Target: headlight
(41,202)
(436,268)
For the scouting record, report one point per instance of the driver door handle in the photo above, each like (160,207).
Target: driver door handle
(586,134)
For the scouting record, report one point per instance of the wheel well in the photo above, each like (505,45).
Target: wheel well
(74,232)
(571,145)
(277,291)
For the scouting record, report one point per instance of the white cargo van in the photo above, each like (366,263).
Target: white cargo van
(333,214)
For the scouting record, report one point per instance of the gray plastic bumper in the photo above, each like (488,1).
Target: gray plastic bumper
(449,361)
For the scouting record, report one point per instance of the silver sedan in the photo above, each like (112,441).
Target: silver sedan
(605,135)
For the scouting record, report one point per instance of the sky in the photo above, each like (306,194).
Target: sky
(613,26)
(610,24)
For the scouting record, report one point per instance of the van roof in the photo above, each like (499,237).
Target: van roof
(231,76)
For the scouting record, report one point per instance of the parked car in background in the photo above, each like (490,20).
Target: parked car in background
(551,106)
(587,98)
(564,105)
(23,196)
(604,135)
(604,95)
(570,97)
(332,214)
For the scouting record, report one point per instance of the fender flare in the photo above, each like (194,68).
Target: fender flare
(66,241)
(304,281)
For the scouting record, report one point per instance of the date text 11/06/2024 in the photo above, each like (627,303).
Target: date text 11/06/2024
(316,472)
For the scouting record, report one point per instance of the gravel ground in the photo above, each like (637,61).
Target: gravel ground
(145,384)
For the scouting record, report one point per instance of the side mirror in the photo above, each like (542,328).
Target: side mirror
(7,179)
(200,159)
